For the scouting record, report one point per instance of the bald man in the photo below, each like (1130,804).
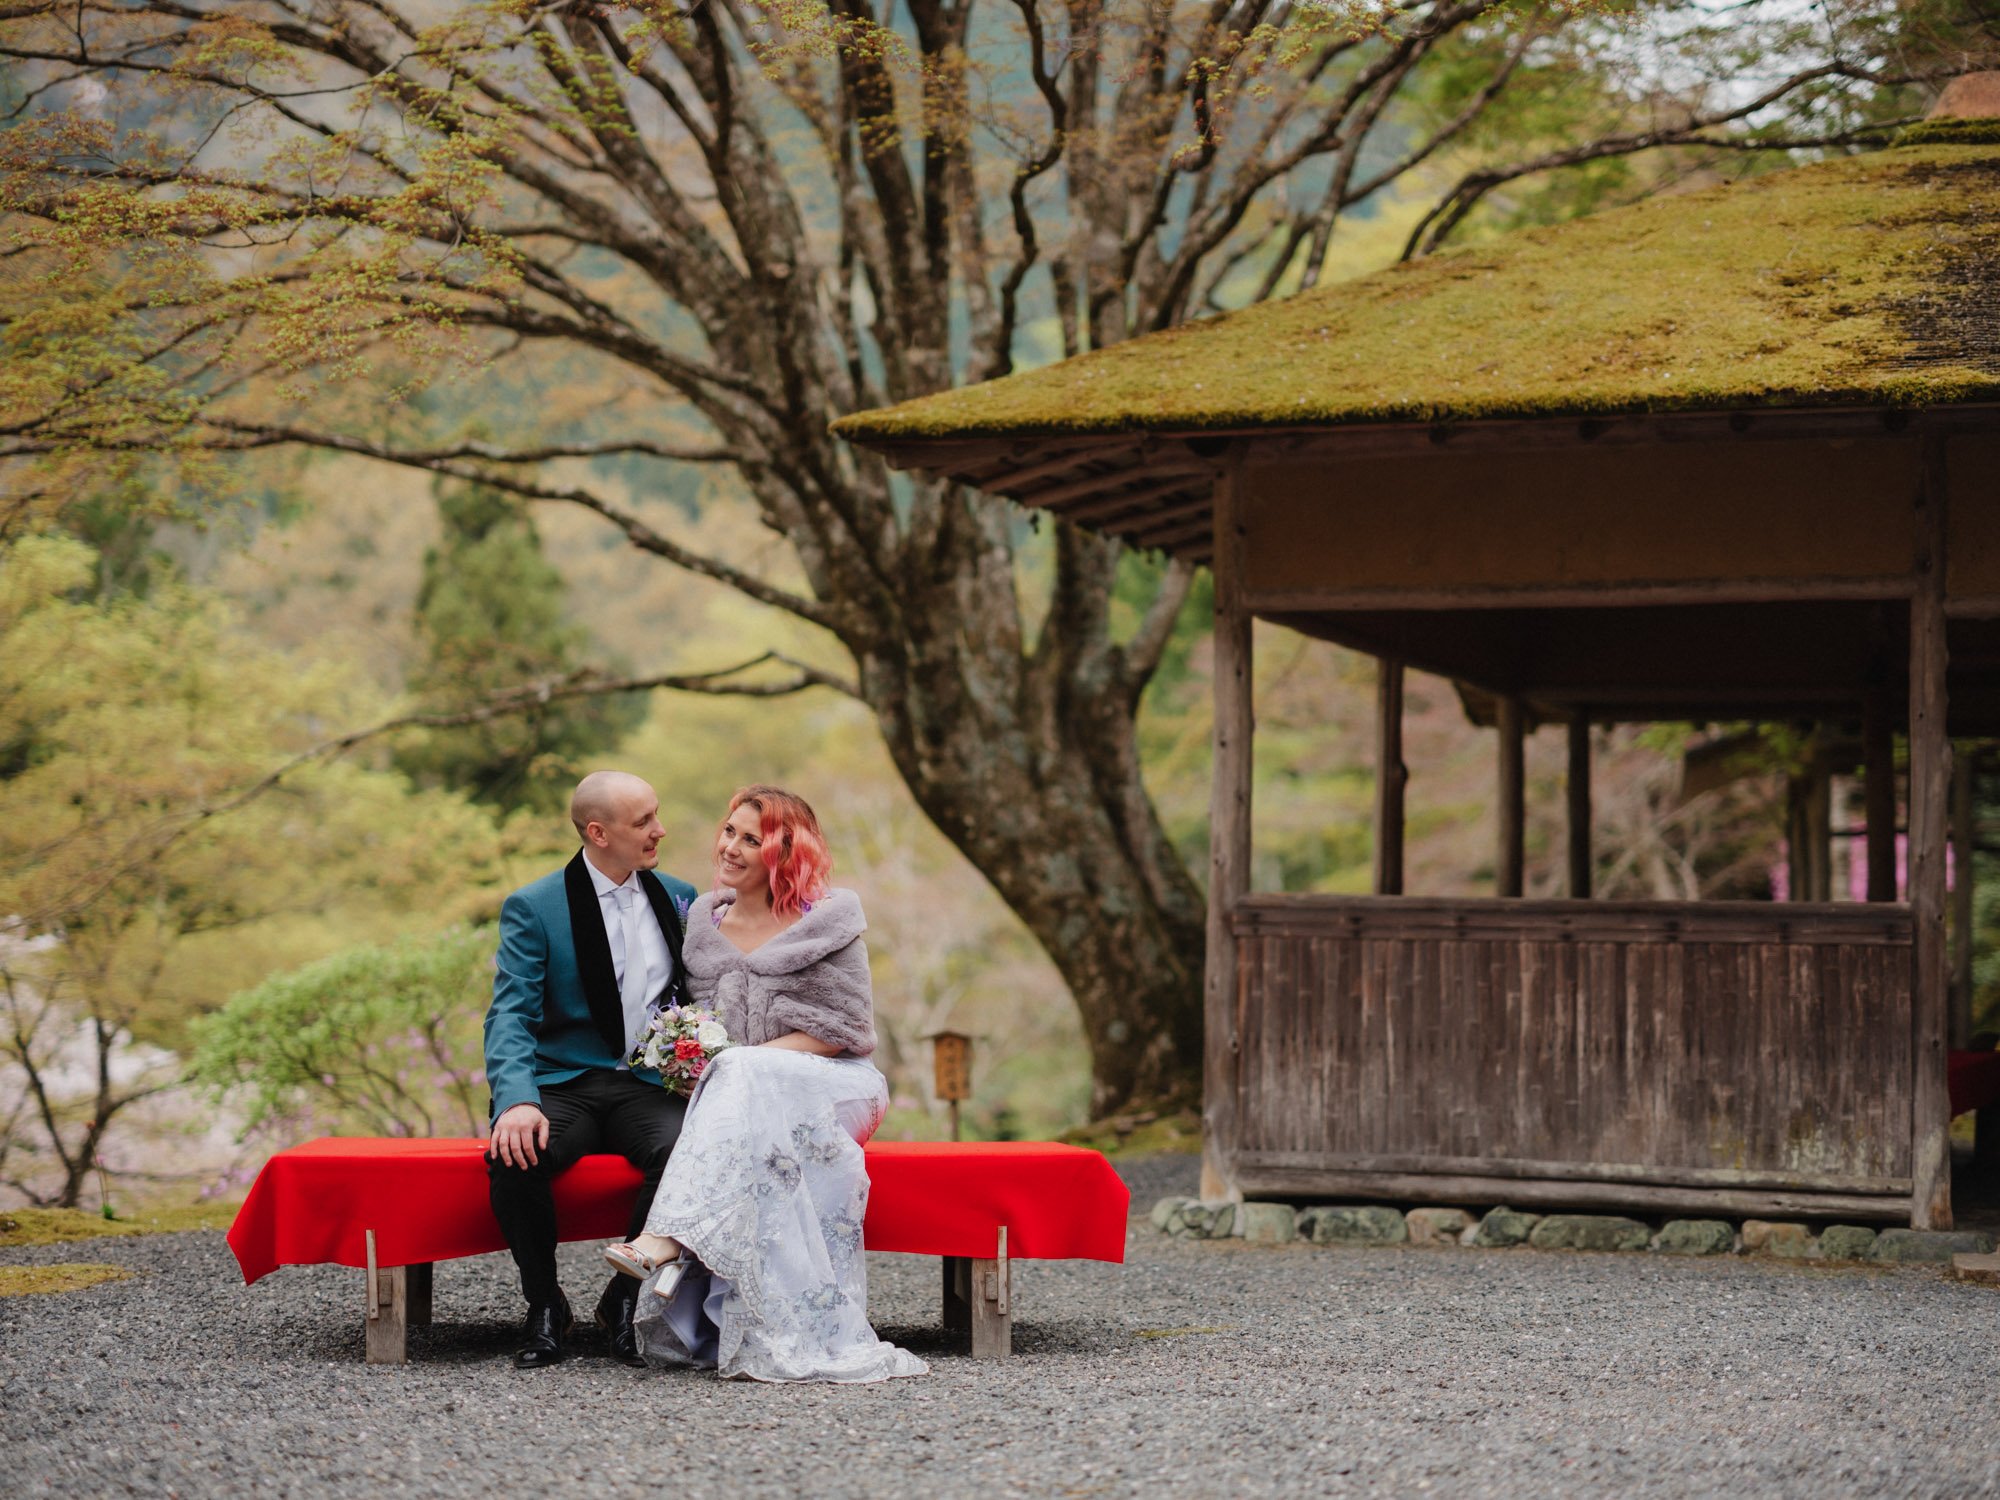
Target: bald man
(586,954)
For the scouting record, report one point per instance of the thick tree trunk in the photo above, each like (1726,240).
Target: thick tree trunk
(1132,960)
(1029,763)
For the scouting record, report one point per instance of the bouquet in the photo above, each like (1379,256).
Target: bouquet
(678,1042)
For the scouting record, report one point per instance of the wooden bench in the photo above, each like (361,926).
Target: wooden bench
(394,1208)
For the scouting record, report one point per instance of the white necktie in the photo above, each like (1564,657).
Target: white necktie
(632,988)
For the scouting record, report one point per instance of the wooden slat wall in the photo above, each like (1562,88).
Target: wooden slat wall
(1729,1045)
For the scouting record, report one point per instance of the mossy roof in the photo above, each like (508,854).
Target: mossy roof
(1864,280)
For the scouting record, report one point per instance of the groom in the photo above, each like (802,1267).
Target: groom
(585,955)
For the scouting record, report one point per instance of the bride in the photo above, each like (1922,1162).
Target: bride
(753,1244)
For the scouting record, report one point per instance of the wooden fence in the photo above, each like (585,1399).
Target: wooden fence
(1734,1057)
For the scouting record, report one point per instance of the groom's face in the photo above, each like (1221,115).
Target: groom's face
(632,837)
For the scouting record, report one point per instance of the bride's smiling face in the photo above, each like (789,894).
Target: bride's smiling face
(739,859)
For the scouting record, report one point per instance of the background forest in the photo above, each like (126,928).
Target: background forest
(309,605)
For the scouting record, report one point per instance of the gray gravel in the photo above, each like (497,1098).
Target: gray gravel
(1195,1368)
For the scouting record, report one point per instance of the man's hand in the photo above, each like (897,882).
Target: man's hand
(519,1135)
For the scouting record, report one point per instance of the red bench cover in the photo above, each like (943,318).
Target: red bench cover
(1973,1080)
(426,1201)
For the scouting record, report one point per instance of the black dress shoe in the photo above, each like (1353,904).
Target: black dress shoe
(614,1316)
(549,1323)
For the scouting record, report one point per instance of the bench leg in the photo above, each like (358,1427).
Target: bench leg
(388,1308)
(992,1305)
(957,1294)
(420,1294)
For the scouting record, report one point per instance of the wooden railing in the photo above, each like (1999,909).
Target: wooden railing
(1738,1056)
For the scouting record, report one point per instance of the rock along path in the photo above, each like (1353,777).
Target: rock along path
(1211,1369)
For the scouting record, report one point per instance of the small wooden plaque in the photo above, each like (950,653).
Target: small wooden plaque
(951,1056)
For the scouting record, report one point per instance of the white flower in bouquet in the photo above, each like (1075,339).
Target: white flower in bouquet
(678,1043)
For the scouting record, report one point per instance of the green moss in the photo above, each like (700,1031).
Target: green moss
(1950,133)
(60,1226)
(35,1281)
(1817,286)
(1145,1134)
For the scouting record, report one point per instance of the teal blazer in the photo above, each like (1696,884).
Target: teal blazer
(555,1012)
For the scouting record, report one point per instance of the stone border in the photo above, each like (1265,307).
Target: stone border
(1503,1227)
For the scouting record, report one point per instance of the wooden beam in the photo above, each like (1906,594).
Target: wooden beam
(1878,756)
(1565,596)
(1647,1174)
(1229,839)
(1166,524)
(1400,439)
(1063,461)
(387,1304)
(1391,777)
(1930,780)
(993,1304)
(1087,500)
(1964,833)
(957,456)
(1479,919)
(1425,1187)
(1510,858)
(1577,798)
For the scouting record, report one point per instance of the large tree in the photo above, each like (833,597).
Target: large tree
(731,222)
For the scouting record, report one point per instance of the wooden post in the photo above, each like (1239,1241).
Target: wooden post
(1229,838)
(957,1294)
(1930,779)
(1510,859)
(1809,827)
(1819,828)
(1391,777)
(1964,843)
(419,1283)
(993,1305)
(388,1306)
(1878,755)
(1798,835)
(1579,805)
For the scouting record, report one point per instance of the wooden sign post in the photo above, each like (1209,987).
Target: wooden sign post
(951,1057)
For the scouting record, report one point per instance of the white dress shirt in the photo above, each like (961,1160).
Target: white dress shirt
(652,944)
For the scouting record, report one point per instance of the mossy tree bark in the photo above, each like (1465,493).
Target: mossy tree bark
(750,220)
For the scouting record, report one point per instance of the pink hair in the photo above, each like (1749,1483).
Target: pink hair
(794,849)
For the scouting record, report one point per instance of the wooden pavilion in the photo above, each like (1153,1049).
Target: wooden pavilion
(1728,456)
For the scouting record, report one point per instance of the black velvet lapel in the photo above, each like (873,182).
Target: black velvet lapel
(670,925)
(593,954)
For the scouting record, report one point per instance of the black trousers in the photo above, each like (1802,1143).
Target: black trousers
(598,1111)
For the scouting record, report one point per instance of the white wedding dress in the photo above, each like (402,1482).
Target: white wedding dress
(768,1189)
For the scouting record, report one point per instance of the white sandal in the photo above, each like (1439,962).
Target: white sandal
(631,1262)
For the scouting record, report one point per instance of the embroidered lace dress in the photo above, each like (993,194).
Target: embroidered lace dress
(767,1187)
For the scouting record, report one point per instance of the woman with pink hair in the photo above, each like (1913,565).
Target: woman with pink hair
(752,1253)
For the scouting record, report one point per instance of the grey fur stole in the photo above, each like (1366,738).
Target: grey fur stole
(812,977)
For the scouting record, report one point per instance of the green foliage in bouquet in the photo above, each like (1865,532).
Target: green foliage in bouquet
(383,1040)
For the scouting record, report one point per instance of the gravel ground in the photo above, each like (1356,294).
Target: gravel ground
(1193,1369)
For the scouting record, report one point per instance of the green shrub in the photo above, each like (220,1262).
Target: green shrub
(375,1040)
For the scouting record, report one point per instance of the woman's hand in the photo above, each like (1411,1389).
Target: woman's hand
(801,1041)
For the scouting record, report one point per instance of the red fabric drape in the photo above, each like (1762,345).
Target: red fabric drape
(426,1201)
